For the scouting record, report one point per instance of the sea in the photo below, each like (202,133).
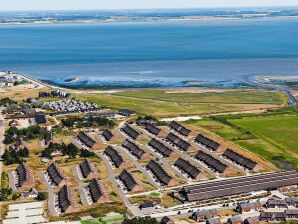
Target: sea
(223,53)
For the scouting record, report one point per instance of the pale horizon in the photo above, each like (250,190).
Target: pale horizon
(36,5)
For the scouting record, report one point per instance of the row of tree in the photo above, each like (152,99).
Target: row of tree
(12,156)
(32,132)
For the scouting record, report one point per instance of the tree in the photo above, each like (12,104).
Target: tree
(15,197)
(72,150)
(42,196)
(86,153)
(141,220)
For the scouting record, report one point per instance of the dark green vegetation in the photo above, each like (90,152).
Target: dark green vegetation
(141,220)
(160,103)
(71,150)
(42,196)
(5,192)
(12,156)
(272,135)
(33,132)
(91,121)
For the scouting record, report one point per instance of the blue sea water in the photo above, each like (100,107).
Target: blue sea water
(222,52)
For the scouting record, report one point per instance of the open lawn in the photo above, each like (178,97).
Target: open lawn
(281,132)
(163,104)
(273,136)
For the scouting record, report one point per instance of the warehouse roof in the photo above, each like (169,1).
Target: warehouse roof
(239,185)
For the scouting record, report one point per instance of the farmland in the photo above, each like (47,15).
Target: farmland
(273,136)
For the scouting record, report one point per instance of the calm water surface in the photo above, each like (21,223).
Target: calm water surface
(152,54)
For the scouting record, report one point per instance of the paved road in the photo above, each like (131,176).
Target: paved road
(139,167)
(133,209)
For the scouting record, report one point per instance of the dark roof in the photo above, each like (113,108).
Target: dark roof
(207,142)
(133,148)
(291,211)
(95,190)
(40,118)
(152,129)
(55,174)
(24,174)
(239,159)
(126,112)
(276,202)
(48,138)
(86,139)
(160,147)
(187,167)
(236,218)
(271,215)
(174,139)
(213,220)
(114,156)
(128,180)
(232,186)
(211,161)
(252,220)
(159,172)
(130,131)
(86,168)
(66,198)
(107,134)
(179,128)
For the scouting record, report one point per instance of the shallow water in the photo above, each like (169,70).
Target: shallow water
(220,53)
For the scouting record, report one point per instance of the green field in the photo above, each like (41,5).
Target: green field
(162,104)
(227,97)
(272,136)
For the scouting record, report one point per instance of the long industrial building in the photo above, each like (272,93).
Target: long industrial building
(232,186)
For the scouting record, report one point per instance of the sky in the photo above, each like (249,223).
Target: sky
(135,4)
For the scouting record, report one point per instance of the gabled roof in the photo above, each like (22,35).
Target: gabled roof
(40,118)
(114,156)
(152,129)
(107,134)
(160,147)
(174,139)
(236,218)
(86,139)
(133,148)
(179,128)
(131,132)
(55,174)
(128,180)
(159,172)
(96,190)
(207,142)
(241,160)
(66,198)
(86,168)
(24,174)
(211,161)
(187,167)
